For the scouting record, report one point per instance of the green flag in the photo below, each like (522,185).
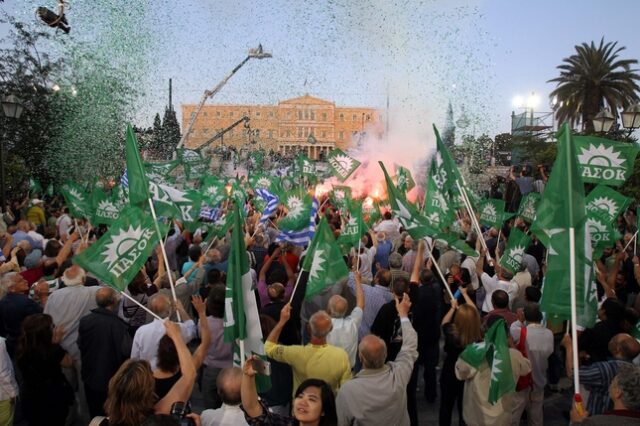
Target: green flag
(602,229)
(342,165)
(235,319)
(189,156)
(120,254)
(561,209)
(529,206)
(607,201)
(604,161)
(161,168)
(412,221)
(105,209)
(138,183)
(495,352)
(341,197)
(492,213)
(49,190)
(298,212)
(261,181)
(34,186)
(213,190)
(353,229)
(323,261)
(404,180)
(437,207)
(196,170)
(511,259)
(77,200)
(306,167)
(190,209)
(456,243)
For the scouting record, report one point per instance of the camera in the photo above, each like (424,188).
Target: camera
(179,410)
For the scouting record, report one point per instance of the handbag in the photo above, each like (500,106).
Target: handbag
(525,381)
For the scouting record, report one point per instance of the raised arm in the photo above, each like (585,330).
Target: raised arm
(181,390)
(248,391)
(417,264)
(285,314)
(65,251)
(359,290)
(205,335)
(449,315)
(262,276)
(480,262)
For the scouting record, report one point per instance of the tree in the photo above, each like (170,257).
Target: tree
(170,132)
(594,78)
(449,133)
(502,147)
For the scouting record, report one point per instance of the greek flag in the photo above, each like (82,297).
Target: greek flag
(210,213)
(124,180)
(272,204)
(301,238)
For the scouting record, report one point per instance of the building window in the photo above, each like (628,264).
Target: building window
(218,114)
(324,116)
(341,135)
(299,132)
(204,113)
(354,117)
(299,115)
(231,114)
(368,117)
(288,114)
(205,131)
(288,133)
(270,113)
(257,113)
(270,134)
(313,115)
(323,134)
(306,115)
(193,115)
(341,117)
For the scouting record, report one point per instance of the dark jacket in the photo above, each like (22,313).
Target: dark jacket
(14,308)
(104,345)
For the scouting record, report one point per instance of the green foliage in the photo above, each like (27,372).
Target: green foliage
(502,147)
(449,132)
(593,78)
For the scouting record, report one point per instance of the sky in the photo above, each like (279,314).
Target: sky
(420,55)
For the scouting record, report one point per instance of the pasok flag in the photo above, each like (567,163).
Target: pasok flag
(342,165)
(77,200)
(34,186)
(298,210)
(353,229)
(606,201)
(323,261)
(492,213)
(404,180)
(105,208)
(561,211)
(604,161)
(437,207)
(495,352)
(241,320)
(410,219)
(528,207)
(120,254)
(137,179)
(514,252)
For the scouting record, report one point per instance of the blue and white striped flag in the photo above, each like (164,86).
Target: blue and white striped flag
(272,201)
(124,180)
(303,237)
(210,213)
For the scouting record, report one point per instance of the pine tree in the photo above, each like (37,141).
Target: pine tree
(155,143)
(449,133)
(170,133)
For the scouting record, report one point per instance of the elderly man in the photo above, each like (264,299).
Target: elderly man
(377,394)
(345,330)
(68,305)
(14,308)
(104,345)
(501,281)
(375,296)
(598,376)
(230,414)
(147,338)
(318,359)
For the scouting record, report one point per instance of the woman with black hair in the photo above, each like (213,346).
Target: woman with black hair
(313,405)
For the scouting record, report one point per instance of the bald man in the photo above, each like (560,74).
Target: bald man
(104,344)
(316,360)
(345,328)
(598,376)
(228,385)
(377,395)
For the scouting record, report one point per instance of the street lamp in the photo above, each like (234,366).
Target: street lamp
(254,53)
(603,121)
(12,108)
(631,117)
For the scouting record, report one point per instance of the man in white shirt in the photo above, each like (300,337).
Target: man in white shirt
(63,223)
(230,414)
(389,226)
(502,280)
(145,342)
(344,333)
(539,344)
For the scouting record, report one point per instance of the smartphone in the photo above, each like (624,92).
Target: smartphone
(261,366)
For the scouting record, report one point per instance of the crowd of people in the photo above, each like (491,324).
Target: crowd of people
(75,351)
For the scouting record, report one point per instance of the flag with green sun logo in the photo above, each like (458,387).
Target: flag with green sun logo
(298,211)
(495,352)
(437,207)
(602,229)
(492,213)
(213,190)
(105,209)
(607,201)
(604,161)
(353,229)
(261,181)
(404,180)
(120,254)
(323,261)
(341,197)
(342,165)
(77,200)
(528,207)
(514,252)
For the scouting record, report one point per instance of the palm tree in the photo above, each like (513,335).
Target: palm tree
(591,79)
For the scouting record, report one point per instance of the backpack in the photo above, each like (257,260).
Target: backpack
(525,381)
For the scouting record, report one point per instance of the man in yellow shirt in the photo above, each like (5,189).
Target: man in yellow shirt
(35,214)
(318,359)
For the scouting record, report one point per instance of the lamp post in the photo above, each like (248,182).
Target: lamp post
(256,53)
(631,118)
(12,108)
(603,121)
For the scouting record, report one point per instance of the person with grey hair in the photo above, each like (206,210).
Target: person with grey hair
(104,343)
(377,394)
(228,383)
(318,359)
(624,392)
(147,337)
(344,333)
(15,306)
(502,280)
